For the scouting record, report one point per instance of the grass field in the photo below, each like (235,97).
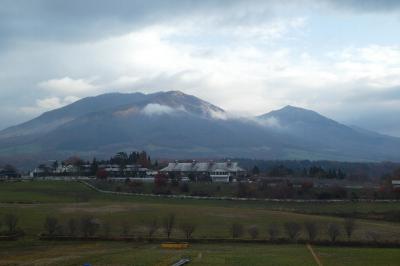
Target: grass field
(70,192)
(55,253)
(33,201)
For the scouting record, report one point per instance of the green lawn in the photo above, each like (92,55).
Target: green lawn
(358,256)
(68,192)
(44,192)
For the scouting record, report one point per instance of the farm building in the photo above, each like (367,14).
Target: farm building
(217,171)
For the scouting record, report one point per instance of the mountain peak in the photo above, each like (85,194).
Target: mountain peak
(293,108)
(290,115)
(176,93)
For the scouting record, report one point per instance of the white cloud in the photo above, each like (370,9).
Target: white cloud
(68,86)
(47,104)
(159,109)
(241,77)
(271,122)
(217,114)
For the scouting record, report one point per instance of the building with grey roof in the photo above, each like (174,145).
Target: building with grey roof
(217,171)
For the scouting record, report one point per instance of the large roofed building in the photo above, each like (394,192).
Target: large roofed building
(217,171)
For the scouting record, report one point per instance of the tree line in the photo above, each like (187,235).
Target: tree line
(351,170)
(89,227)
(121,159)
(313,171)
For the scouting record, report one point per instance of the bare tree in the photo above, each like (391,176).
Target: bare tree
(51,225)
(253,231)
(11,222)
(273,231)
(293,230)
(188,229)
(125,228)
(152,227)
(236,230)
(169,224)
(333,231)
(72,227)
(89,226)
(349,226)
(312,230)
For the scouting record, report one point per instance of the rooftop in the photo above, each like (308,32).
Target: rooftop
(202,167)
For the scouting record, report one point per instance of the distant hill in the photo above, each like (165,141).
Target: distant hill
(176,125)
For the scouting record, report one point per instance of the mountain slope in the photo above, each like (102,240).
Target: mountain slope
(330,137)
(176,125)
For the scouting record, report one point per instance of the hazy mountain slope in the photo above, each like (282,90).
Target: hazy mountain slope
(173,124)
(328,136)
(52,119)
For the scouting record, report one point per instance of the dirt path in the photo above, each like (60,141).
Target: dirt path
(317,260)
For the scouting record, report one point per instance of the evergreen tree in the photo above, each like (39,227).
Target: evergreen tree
(256,170)
(94,166)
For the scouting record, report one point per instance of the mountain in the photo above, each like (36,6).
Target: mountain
(176,125)
(329,139)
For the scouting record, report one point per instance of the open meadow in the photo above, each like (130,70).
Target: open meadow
(105,253)
(32,202)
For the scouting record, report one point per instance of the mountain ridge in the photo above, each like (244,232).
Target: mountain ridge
(177,125)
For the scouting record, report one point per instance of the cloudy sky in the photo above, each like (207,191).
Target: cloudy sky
(340,58)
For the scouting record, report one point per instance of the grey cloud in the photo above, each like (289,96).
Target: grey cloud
(76,21)
(366,5)
(84,20)
(73,20)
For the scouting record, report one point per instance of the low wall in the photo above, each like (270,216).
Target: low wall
(232,198)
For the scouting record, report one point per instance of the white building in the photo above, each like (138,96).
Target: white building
(217,171)
(396,183)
